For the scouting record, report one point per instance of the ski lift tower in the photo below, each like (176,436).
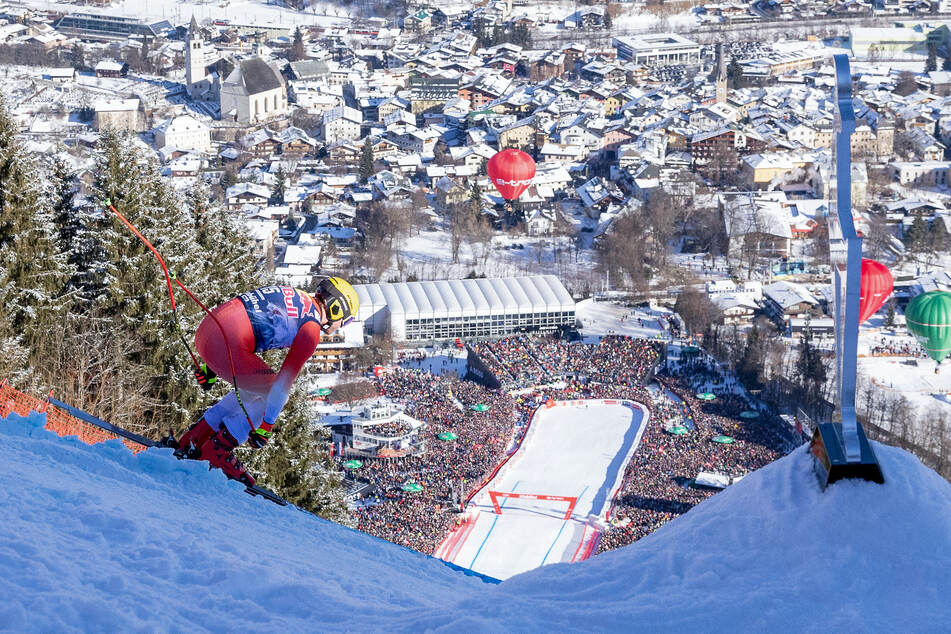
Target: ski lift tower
(840,447)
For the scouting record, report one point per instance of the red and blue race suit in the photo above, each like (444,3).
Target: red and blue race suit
(267,318)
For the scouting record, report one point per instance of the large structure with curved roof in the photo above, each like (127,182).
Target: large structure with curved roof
(482,307)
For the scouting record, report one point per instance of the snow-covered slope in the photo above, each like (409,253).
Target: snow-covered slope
(94,538)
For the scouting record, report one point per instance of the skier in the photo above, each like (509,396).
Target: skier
(267,318)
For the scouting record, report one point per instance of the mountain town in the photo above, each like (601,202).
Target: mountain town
(499,214)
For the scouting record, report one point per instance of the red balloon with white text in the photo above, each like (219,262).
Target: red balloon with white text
(877,285)
(511,171)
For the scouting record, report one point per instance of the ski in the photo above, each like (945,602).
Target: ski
(254,490)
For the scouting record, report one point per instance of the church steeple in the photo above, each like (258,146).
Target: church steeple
(194,59)
(721,76)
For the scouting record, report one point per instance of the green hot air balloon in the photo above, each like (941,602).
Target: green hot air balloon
(928,317)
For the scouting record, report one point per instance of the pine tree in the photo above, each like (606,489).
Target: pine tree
(79,56)
(475,195)
(136,297)
(751,366)
(227,253)
(946,62)
(297,51)
(280,186)
(810,373)
(931,64)
(734,73)
(917,234)
(367,161)
(32,269)
(937,236)
(890,314)
(144,53)
(65,215)
(228,178)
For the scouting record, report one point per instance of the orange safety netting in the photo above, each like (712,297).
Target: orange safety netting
(57,420)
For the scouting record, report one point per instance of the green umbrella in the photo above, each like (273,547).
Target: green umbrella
(677,430)
(324,391)
(749,414)
(706,396)
(446,435)
(352,464)
(480,407)
(723,440)
(412,487)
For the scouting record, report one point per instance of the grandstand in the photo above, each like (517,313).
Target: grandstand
(450,309)
(109,27)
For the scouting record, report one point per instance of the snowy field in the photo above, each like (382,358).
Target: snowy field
(575,451)
(608,318)
(96,539)
(323,13)
(259,12)
(427,257)
(907,374)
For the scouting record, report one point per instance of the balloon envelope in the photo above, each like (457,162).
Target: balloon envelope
(877,285)
(928,317)
(511,171)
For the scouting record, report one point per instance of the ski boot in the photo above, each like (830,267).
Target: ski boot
(189,445)
(218,450)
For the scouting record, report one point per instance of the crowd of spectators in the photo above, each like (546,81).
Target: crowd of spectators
(388,429)
(421,519)
(897,347)
(525,360)
(658,482)
(656,485)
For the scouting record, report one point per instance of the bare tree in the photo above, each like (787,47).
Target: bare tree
(622,255)
(698,312)
(877,241)
(457,218)
(661,211)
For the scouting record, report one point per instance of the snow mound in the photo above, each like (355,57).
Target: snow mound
(98,539)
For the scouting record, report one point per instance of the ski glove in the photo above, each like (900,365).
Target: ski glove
(260,436)
(206,376)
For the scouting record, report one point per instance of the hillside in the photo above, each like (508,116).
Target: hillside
(98,539)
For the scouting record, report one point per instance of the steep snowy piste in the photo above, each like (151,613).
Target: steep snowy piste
(96,539)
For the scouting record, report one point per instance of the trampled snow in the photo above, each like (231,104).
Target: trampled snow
(578,451)
(97,539)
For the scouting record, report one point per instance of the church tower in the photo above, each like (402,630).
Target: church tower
(195,83)
(720,81)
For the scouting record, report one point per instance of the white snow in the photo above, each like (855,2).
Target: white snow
(258,12)
(579,451)
(96,539)
(603,318)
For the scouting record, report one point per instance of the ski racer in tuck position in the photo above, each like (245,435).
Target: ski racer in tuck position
(267,318)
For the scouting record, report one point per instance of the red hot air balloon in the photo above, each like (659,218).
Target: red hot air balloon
(877,284)
(511,171)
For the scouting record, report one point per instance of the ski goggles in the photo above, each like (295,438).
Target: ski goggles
(327,326)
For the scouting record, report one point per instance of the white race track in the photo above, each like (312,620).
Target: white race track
(576,448)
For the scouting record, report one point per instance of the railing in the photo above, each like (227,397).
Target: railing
(57,421)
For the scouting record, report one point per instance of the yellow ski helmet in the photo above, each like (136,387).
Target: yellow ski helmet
(340,298)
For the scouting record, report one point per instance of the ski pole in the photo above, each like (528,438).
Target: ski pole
(171,294)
